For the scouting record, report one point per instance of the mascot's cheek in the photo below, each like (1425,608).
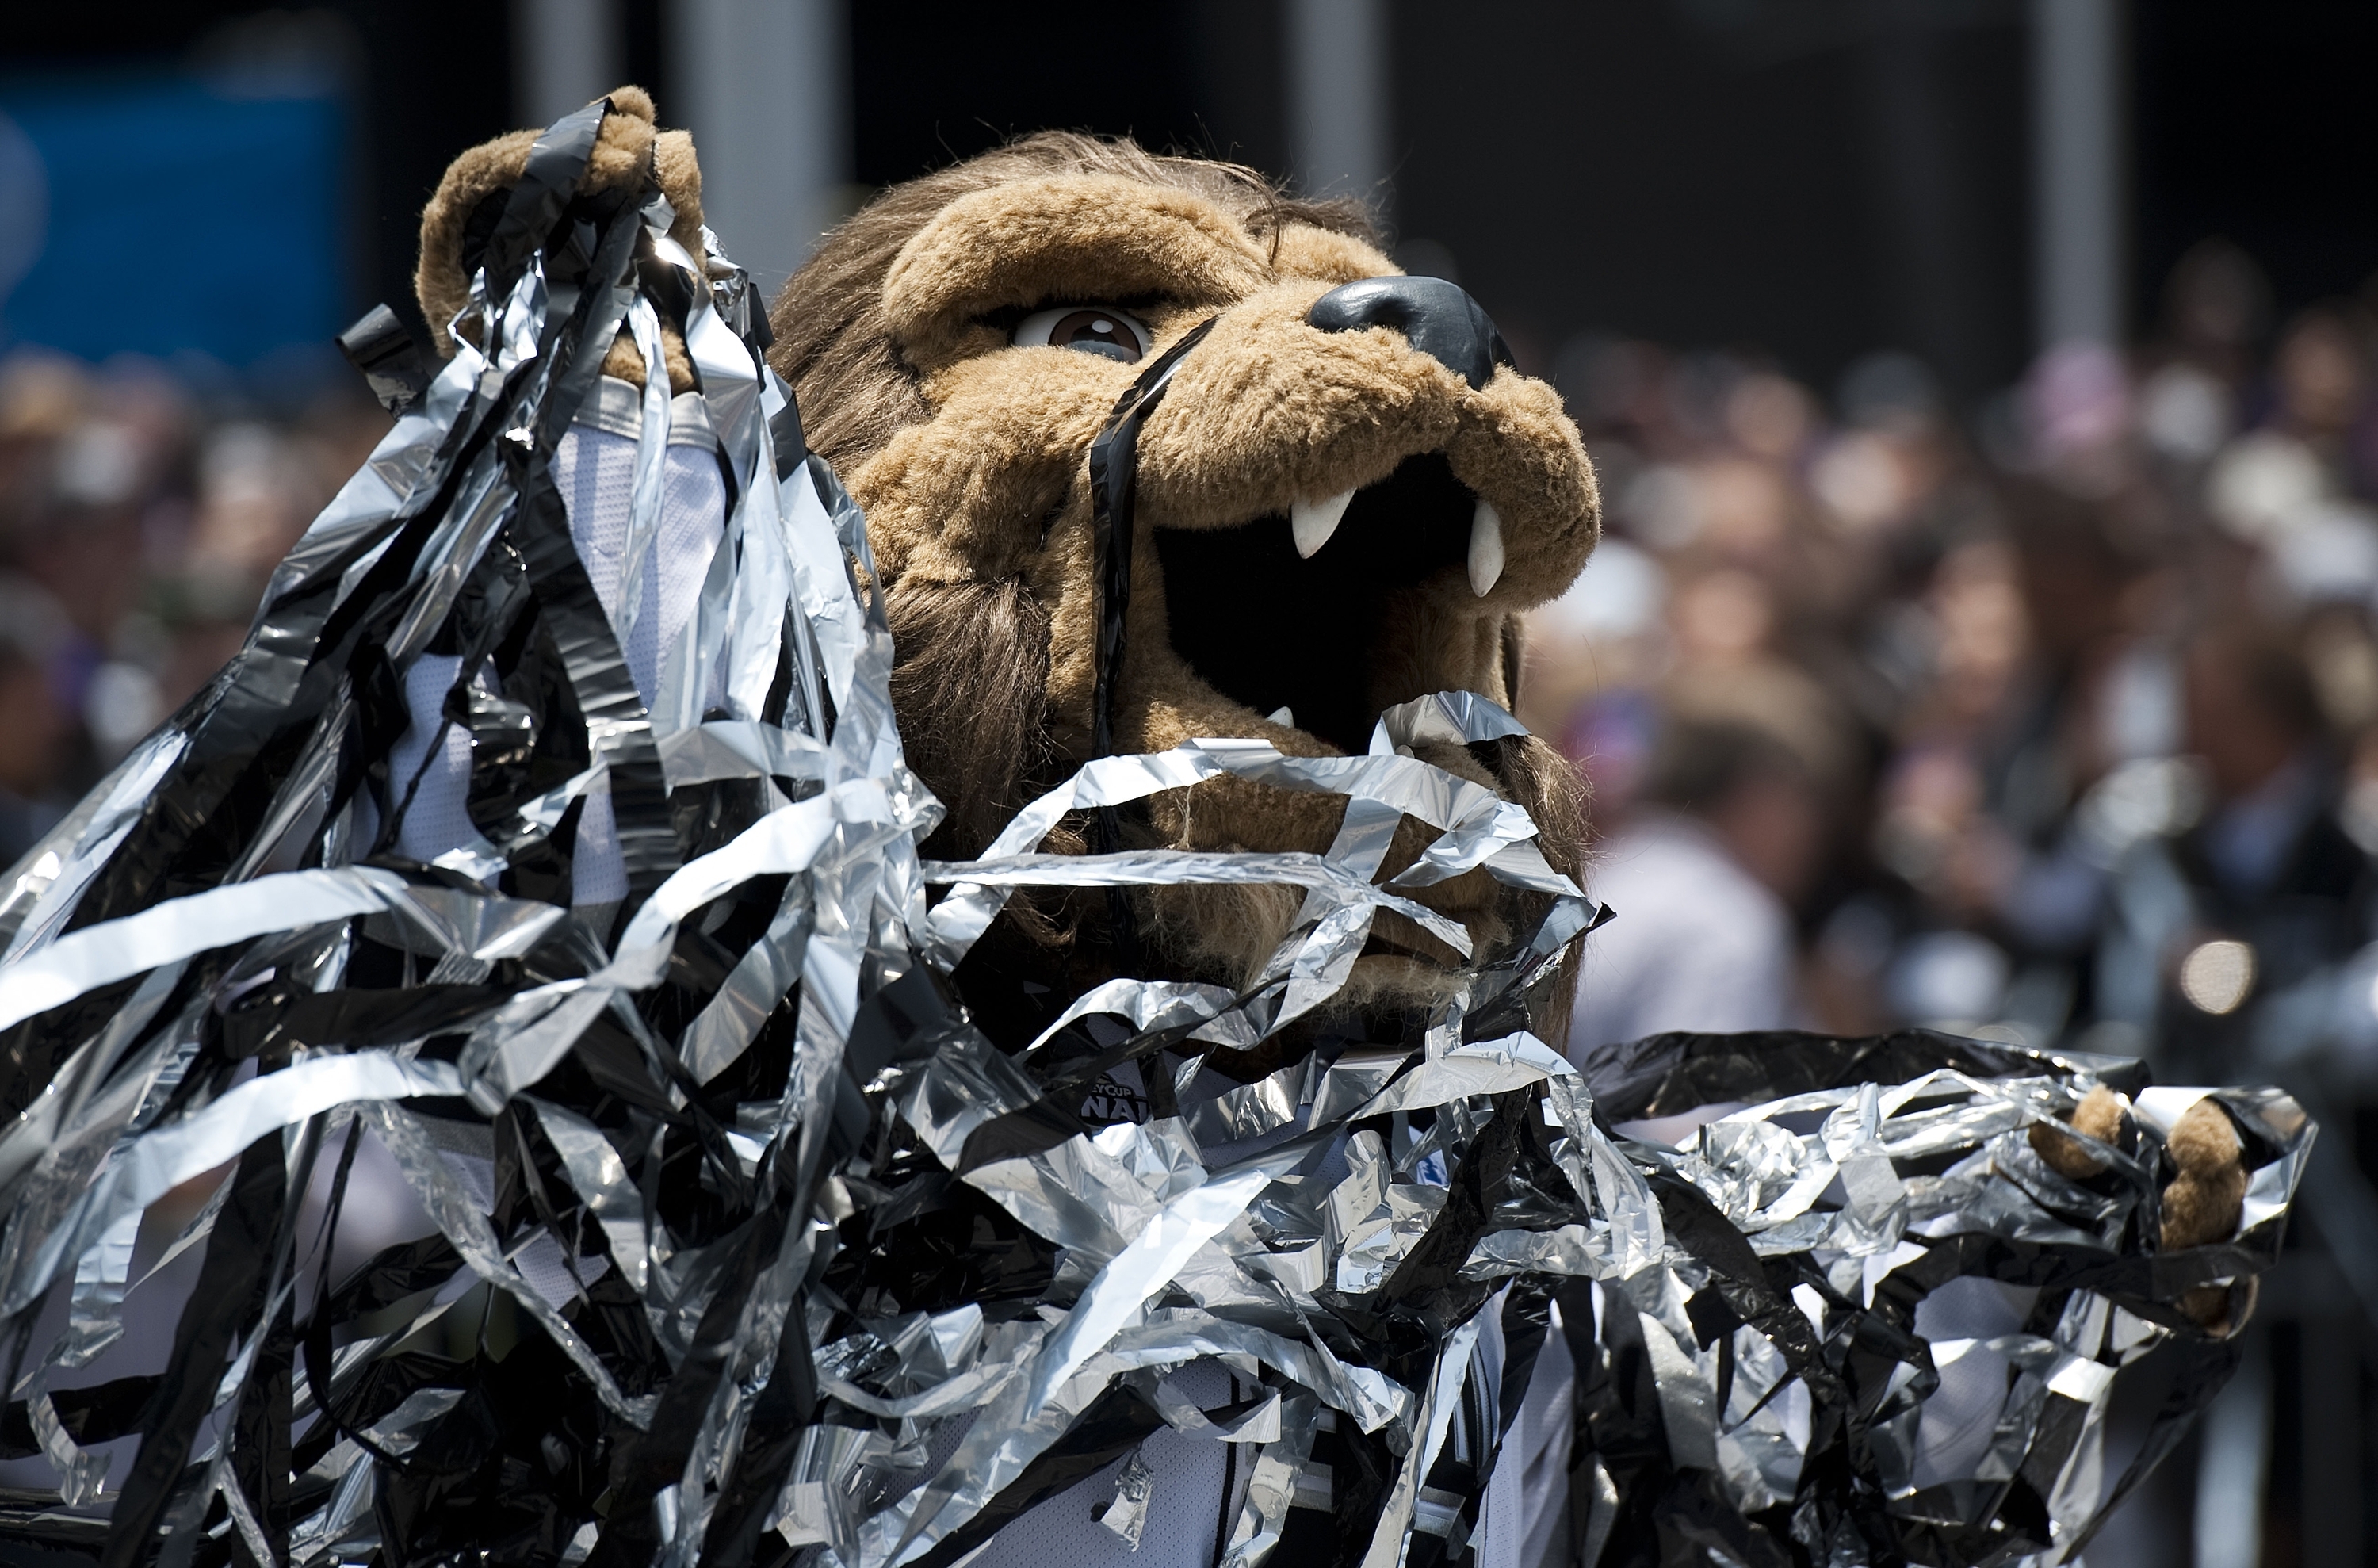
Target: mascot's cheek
(969,495)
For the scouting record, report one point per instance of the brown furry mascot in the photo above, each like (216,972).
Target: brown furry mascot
(997,1015)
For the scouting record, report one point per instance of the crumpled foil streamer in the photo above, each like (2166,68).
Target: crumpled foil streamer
(784,1256)
(1879,1327)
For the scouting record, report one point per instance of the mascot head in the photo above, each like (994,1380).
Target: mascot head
(1344,500)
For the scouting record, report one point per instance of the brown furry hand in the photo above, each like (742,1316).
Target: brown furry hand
(628,139)
(2100,1116)
(2205,1201)
(2201,1204)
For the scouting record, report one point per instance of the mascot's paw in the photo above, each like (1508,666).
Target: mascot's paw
(2201,1203)
(2099,1115)
(470,199)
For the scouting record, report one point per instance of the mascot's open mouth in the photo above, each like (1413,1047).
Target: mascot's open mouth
(1270,626)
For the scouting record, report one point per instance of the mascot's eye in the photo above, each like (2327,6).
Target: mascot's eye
(1093,329)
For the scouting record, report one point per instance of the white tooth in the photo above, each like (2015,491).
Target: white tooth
(1313,520)
(1281,716)
(1486,548)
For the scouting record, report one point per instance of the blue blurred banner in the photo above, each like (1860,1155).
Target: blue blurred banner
(163,215)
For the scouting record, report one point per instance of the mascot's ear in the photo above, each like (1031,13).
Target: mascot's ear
(462,215)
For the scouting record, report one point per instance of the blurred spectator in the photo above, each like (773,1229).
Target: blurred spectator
(31,726)
(2132,622)
(2216,308)
(2276,891)
(139,519)
(1703,876)
(2103,687)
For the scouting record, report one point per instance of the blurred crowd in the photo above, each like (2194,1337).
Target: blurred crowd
(139,518)
(2056,723)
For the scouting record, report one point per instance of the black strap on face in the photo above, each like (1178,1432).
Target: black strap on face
(1115,476)
(1114,473)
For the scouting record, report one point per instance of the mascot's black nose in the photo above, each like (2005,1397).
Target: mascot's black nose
(1436,317)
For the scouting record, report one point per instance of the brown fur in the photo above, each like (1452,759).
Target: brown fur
(2201,1204)
(833,333)
(2100,1116)
(959,647)
(967,455)
(628,139)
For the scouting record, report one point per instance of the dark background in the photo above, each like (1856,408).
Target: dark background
(1818,179)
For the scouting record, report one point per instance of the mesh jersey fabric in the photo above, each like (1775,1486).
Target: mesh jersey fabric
(1184,1506)
(1524,1521)
(436,821)
(595,470)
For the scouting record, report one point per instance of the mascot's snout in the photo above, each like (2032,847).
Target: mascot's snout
(1435,317)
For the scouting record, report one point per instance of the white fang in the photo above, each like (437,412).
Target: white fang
(1486,548)
(1313,520)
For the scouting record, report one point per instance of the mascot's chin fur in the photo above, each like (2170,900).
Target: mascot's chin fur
(1331,520)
